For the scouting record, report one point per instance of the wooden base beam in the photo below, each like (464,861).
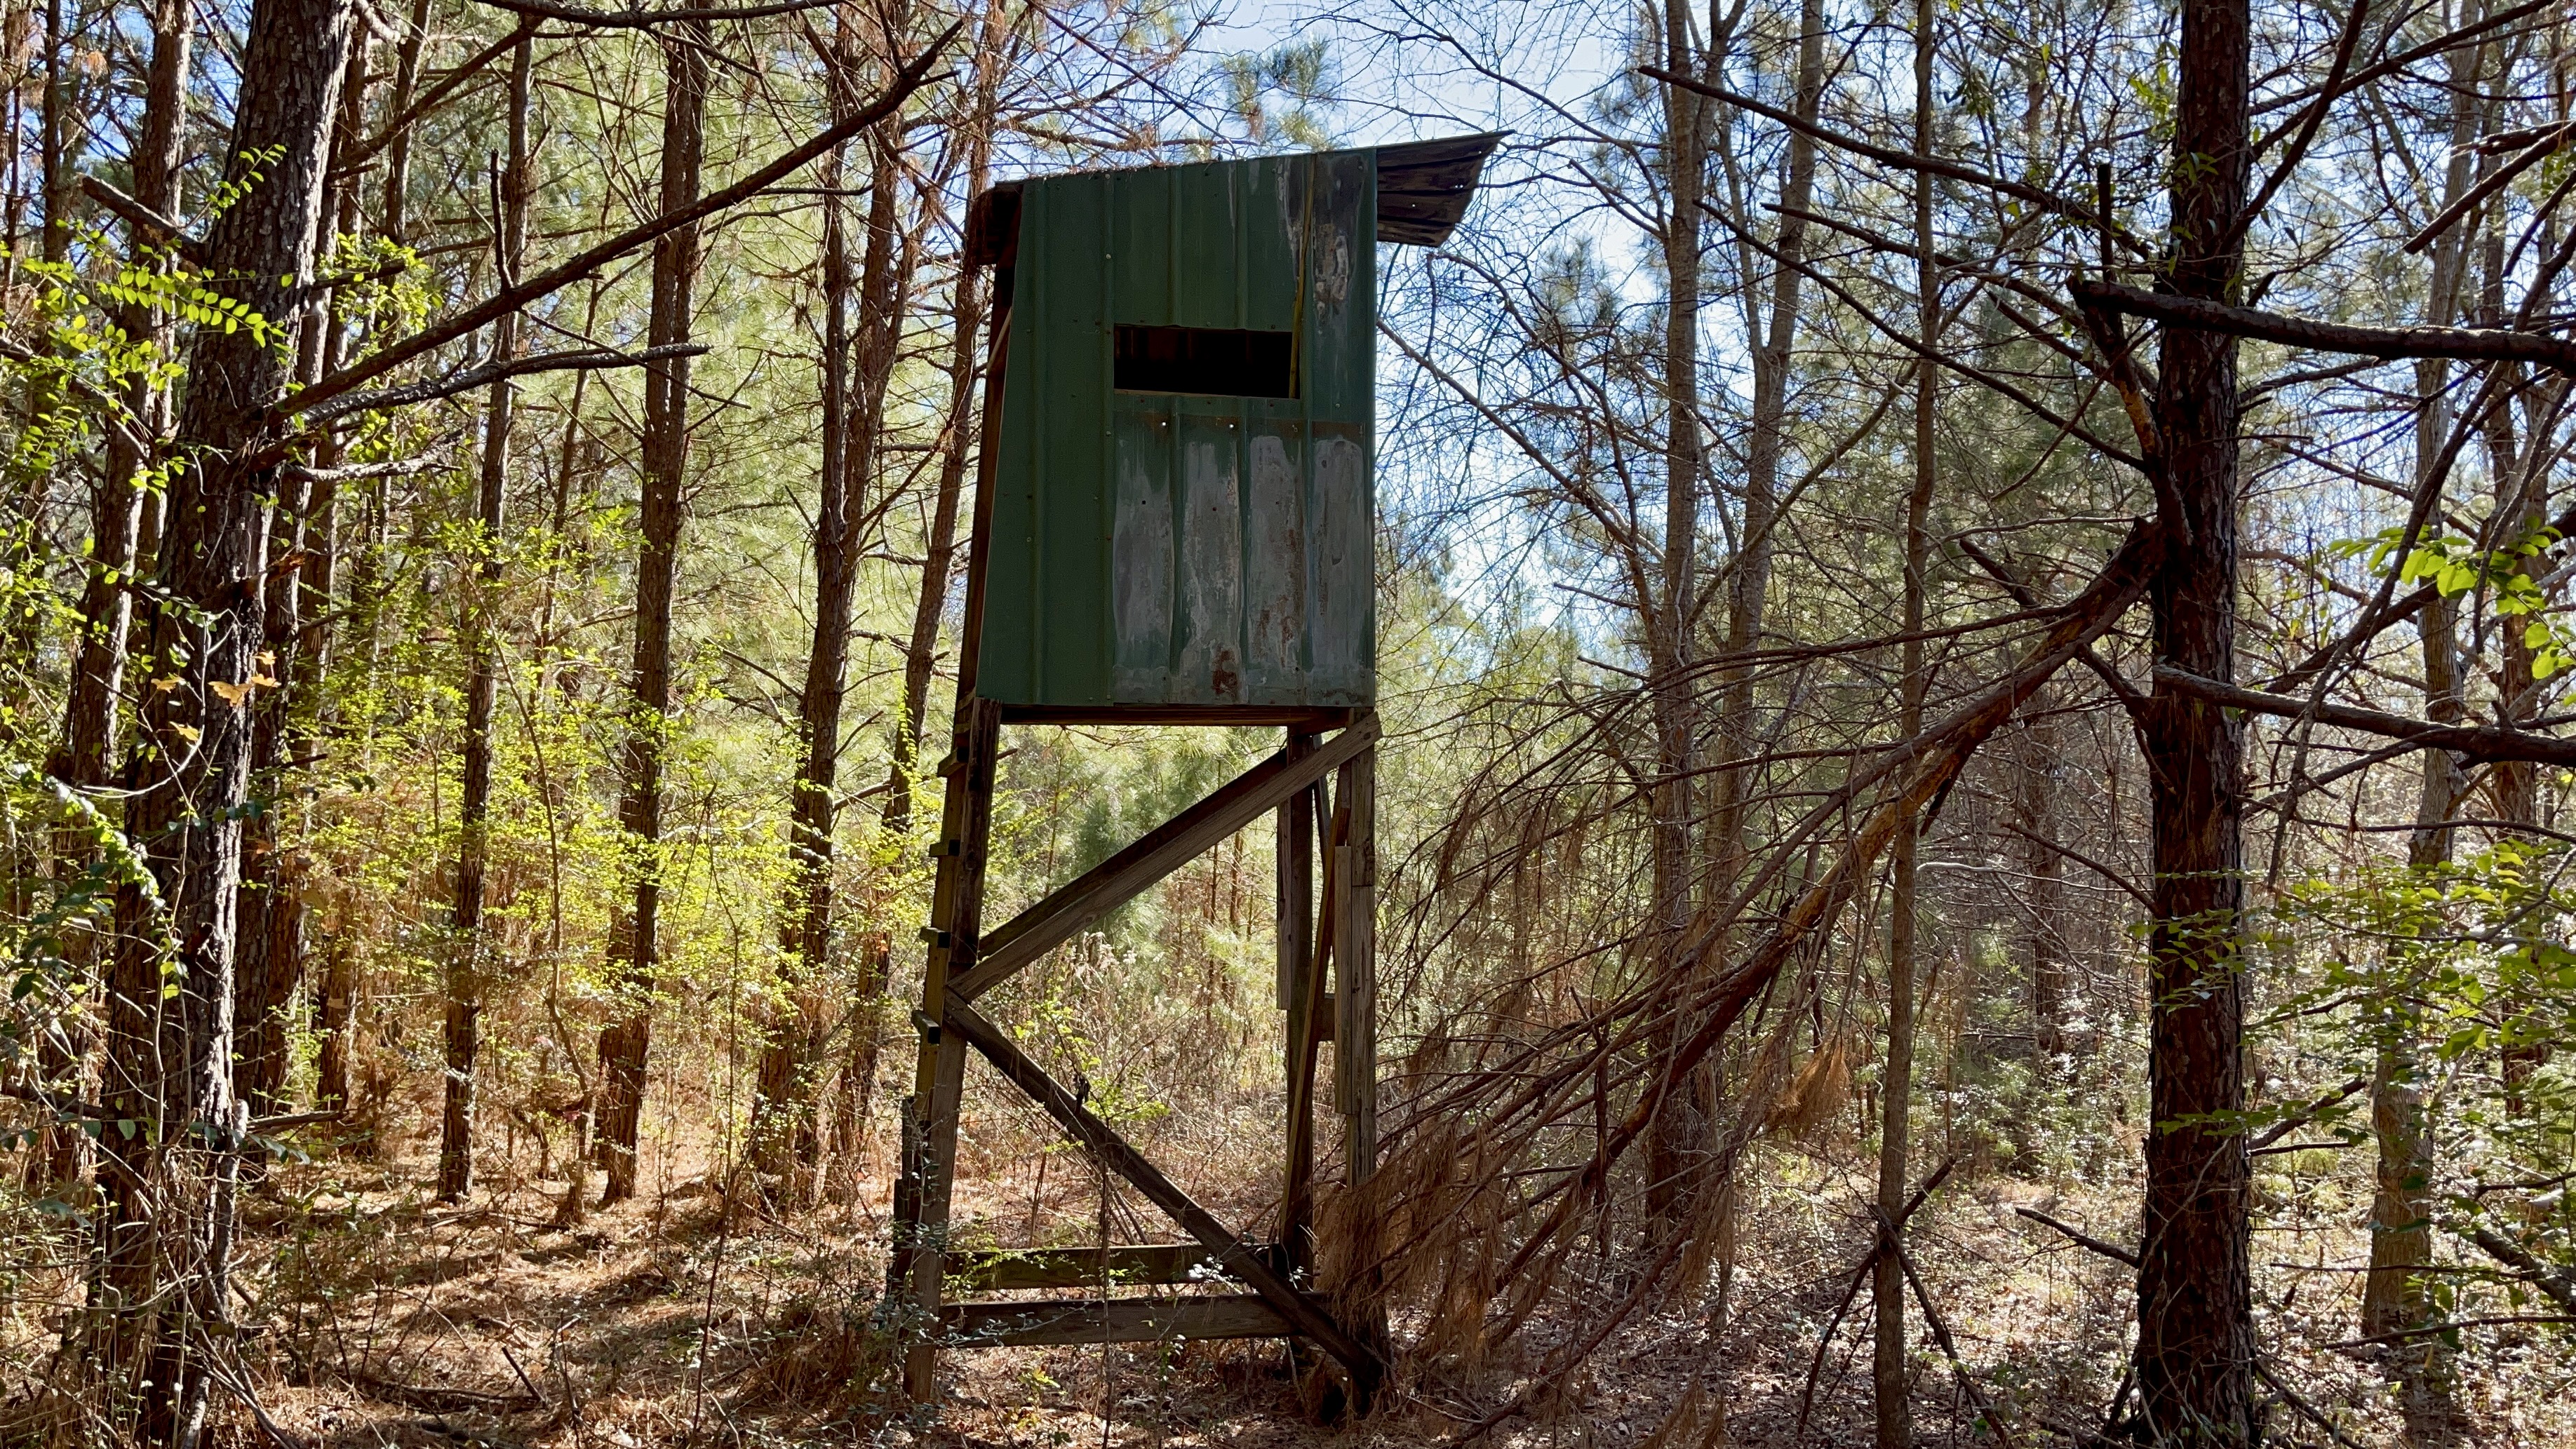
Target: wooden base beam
(1125,1320)
(1313,720)
(1125,1265)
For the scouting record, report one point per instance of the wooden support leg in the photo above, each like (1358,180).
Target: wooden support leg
(1353,913)
(1296,939)
(930,1128)
(1354,916)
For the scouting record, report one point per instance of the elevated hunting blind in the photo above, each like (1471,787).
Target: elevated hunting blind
(1175,522)
(1181,507)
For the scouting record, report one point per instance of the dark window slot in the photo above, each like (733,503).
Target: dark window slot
(1216,361)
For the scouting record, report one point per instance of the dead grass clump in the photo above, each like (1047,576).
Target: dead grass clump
(829,1360)
(1816,1096)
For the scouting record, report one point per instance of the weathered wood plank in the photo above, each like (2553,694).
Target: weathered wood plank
(1130,1320)
(1162,850)
(1129,1264)
(1355,968)
(1307,1012)
(1242,1261)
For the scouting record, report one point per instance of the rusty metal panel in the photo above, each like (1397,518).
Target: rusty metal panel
(1204,536)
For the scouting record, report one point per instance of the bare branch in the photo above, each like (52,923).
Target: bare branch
(2462,344)
(491,372)
(2080,1238)
(910,79)
(638,18)
(2048,201)
(156,228)
(2480,743)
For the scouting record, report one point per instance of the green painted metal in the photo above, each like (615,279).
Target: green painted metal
(1151,548)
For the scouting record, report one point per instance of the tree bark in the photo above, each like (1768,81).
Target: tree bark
(792,1064)
(469,958)
(1889,1379)
(624,1043)
(167,1224)
(2521,479)
(2195,1311)
(275,913)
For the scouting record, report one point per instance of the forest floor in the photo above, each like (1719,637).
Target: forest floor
(669,1321)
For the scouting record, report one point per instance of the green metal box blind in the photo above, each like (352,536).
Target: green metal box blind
(1183,511)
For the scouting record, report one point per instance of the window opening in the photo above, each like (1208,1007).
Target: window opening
(1216,361)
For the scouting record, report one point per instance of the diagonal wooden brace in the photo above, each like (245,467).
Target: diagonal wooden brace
(1241,1259)
(1032,933)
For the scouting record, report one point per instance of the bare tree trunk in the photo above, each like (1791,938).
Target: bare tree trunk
(792,1065)
(274,913)
(2035,804)
(2401,1208)
(167,1226)
(1749,582)
(1681,1127)
(107,608)
(468,961)
(61,153)
(1888,1368)
(785,1130)
(271,954)
(2195,1291)
(938,569)
(1749,586)
(624,1043)
(398,152)
(2521,480)
(315,581)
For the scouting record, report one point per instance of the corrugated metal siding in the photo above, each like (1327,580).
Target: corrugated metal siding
(1173,548)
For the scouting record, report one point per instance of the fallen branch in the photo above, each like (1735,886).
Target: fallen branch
(2401,1334)
(2460,344)
(2306,1410)
(435,1399)
(2081,1238)
(2559,1283)
(359,472)
(2112,679)
(1851,1291)
(1904,783)
(59,1102)
(1941,1334)
(288,1120)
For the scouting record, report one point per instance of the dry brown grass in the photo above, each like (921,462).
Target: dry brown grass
(682,1319)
